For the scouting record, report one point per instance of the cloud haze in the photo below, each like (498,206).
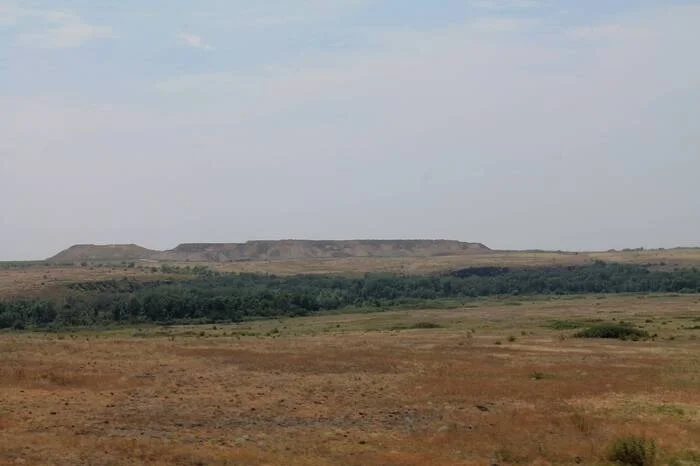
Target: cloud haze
(194,41)
(520,124)
(48,28)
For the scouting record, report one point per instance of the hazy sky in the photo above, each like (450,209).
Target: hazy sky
(562,124)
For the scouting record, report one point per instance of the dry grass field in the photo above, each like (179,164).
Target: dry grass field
(492,381)
(667,259)
(42,280)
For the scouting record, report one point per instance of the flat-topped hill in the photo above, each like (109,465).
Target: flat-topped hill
(106,252)
(271,250)
(306,249)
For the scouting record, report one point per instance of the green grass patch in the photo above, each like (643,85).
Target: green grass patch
(670,410)
(564,325)
(685,458)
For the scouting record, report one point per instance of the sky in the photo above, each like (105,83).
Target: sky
(521,124)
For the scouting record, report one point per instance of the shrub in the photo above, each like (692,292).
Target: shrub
(7,319)
(468,339)
(633,451)
(416,326)
(425,325)
(621,332)
(582,423)
(504,455)
(19,325)
(511,338)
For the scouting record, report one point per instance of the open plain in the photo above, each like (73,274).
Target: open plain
(497,380)
(48,279)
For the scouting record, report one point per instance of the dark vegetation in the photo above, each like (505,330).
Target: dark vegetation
(204,296)
(7,265)
(616,331)
(416,326)
(633,451)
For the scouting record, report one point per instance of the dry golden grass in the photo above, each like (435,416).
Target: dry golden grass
(344,389)
(42,281)
(669,258)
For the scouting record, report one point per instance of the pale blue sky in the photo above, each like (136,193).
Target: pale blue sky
(516,123)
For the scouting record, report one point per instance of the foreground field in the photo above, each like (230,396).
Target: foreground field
(496,380)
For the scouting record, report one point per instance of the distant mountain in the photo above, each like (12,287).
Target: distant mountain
(271,250)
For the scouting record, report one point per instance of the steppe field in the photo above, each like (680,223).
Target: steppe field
(490,381)
(497,381)
(42,279)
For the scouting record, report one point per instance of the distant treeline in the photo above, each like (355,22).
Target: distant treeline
(215,297)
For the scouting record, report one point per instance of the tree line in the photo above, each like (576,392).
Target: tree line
(218,297)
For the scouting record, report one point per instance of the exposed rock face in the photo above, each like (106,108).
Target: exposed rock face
(273,250)
(301,249)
